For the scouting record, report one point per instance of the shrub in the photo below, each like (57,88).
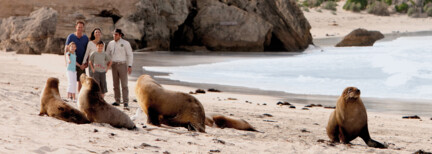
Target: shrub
(429,11)
(312,3)
(353,5)
(412,3)
(305,4)
(402,8)
(389,2)
(427,6)
(378,8)
(411,11)
(306,9)
(329,5)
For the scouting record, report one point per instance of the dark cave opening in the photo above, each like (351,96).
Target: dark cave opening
(275,44)
(185,35)
(113,13)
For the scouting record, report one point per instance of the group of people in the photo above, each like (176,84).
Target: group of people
(81,53)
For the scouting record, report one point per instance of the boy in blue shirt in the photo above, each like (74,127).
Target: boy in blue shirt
(100,62)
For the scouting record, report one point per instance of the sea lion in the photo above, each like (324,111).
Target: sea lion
(53,106)
(222,121)
(349,119)
(96,109)
(169,107)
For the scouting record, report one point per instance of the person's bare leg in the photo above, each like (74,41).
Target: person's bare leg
(69,96)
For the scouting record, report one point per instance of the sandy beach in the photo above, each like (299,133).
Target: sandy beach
(287,130)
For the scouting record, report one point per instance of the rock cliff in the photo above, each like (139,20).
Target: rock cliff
(217,25)
(29,35)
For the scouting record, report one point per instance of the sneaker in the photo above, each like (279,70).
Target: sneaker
(116,104)
(126,106)
(74,101)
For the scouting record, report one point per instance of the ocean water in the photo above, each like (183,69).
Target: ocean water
(401,68)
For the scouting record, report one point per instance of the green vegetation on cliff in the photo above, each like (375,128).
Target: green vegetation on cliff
(402,8)
(378,8)
(355,5)
(428,9)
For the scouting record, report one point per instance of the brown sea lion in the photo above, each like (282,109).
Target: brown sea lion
(96,109)
(349,119)
(222,121)
(169,107)
(53,106)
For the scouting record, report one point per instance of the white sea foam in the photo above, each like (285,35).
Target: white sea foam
(398,69)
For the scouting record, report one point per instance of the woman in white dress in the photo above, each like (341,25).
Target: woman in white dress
(91,46)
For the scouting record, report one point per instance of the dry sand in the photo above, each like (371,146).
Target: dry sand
(22,78)
(327,26)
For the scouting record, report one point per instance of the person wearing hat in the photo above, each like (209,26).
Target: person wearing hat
(121,55)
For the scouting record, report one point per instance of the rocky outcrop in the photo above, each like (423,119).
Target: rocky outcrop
(154,22)
(236,25)
(227,28)
(29,35)
(224,25)
(70,11)
(291,30)
(360,37)
(106,24)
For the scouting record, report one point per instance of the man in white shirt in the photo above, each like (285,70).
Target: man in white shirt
(121,55)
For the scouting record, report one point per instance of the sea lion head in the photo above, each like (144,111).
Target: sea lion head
(52,82)
(148,78)
(89,83)
(82,78)
(351,93)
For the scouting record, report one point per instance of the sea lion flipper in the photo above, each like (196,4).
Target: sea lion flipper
(364,134)
(343,135)
(375,144)
(333,129)
(252,129)
(153,117)
(194,127)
